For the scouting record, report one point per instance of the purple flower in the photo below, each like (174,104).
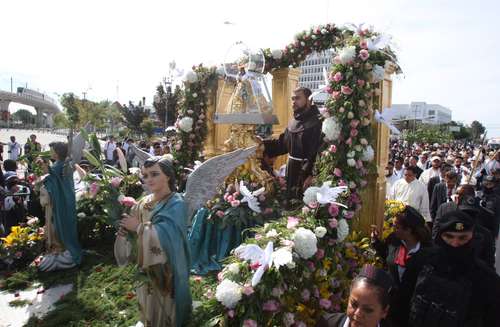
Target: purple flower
(348,214)
(271,306)
(249,323)
(320,254)
(325,304)
(306,295)
(333,210)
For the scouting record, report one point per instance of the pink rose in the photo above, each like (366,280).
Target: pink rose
(128,201)
(249,323)
(311,266)
(361,82)
(337,172)
(349,141)
(359,164)
(177,147)
(325,304)
(235,203)
(348,214)
(355,198)
(231,313)
(328,89)
(333,210)
(258,236)
(354,132)
(346,90)
(306,210)
(333,223)
(247,290)
(320,254)
(209,294)
(336,94)
(94,189)
(229,198)
(115,182)
(337,60)
(262,198)
(342,183)
(338,77)
(292,222)
(364,54)
(332,148)
(220,213)
(271,306)
(363,44)
(313,205)
(354,123)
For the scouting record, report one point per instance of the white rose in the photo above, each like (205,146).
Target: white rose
(363,141)
(350,115)
(351,154)
(342,230)
(351,162)
(186,124)
(320,231)
(352,185)
(347,54)
(233,268)
(282,257)
(228,293)
(272,233)
(358,148)
(277,54)
(365,122)
(305,243)
(81,215)
(368,154)
(331,128)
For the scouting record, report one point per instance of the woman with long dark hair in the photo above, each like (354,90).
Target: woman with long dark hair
(159,220)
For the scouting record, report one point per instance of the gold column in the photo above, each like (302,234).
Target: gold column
(285,80)
(372,211)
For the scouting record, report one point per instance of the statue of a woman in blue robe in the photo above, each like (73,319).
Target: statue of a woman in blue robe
(159,220)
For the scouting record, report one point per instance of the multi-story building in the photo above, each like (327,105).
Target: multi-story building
(426,113)
(311,75)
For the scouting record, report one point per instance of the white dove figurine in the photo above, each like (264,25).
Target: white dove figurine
(251,197)
(255,254)
(322,87)
(383,119)
(327,194)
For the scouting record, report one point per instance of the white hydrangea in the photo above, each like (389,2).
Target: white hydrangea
(186,124)
(331,128)
(228,293)
(233,268)
(378,73)
(282,257)
(368,154)
(351,162)
(190,77)
(347,54)
(305,242)
(277,54)
(342,230)
(310,195)
(320,231)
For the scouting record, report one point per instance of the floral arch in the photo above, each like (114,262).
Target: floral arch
(308,258)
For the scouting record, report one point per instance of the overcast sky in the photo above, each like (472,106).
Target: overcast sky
(448,50)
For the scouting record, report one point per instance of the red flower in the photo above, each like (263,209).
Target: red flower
(130,296)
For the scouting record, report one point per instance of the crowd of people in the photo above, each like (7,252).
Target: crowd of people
(439,259)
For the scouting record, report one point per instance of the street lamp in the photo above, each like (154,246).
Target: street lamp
(167,81)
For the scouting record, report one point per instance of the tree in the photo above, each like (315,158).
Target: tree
(60,120)
(133,116)
(476,130)
(166,100)
(23,115)
(148,127)
(70,104)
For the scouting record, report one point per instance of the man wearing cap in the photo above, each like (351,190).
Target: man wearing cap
(448,284)
(433,171)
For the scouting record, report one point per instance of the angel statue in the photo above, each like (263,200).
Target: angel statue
(57,196)
(160,222)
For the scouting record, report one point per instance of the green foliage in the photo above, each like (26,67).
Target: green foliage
(61,120)
(428,134)
(70,104)
(23,115)
(148,126)
(133,116)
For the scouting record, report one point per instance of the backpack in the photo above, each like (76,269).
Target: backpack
(439,301)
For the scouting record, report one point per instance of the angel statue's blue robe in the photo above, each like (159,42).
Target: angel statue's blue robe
(60,187)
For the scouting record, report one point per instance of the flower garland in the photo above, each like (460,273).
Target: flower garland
(191,121)
(299,267)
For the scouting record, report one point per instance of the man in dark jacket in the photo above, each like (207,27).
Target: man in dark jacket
(437,179)
(301,140)
(443,191)
(447,285)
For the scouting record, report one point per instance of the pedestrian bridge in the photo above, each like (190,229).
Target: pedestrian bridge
(41,103)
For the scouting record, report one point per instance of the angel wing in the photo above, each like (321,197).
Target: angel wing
(78,144)
(141,156)
(383,119)
(322,87)
(250,252)
(378,43)
(202,183)
(327,194)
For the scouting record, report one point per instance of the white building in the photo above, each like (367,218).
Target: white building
(434,114)
(311,72)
